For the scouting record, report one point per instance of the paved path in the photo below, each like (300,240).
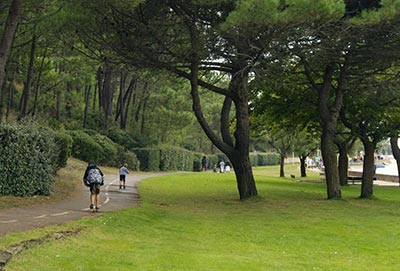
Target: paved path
(112,199)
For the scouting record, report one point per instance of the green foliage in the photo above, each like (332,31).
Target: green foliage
(84,147)
(166,158)
(89,145)
(27,160)
(110,150)
(122,138)
(149,158)
(63,142)
(127,157)
(268,159)
(264,159)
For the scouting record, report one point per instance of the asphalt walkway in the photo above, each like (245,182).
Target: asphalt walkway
(111,197)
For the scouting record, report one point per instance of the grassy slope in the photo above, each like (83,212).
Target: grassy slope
(196,222)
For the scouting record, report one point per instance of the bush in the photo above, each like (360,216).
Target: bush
(268,159)
(128,157)
(264,159)
(166,158)
(110,150)
(63,142)
(122,138)
(149,158)
(84,147)
(27,161)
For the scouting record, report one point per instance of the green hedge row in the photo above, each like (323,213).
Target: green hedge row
(29,158)
(264,159)
(166,158)
(88,145)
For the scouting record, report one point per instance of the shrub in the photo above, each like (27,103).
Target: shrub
(27,161)
(110,150)
(122,138)
(127,157)
(149,158)
(84,147)
(166,158)
(268,159)
(63,142)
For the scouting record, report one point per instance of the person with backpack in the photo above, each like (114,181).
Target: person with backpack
(93,179)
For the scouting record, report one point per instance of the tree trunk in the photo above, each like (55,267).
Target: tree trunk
(37,85)
(328,150)
(396,153)
(368,169)
(328,117)
(282,166)
(128,102)
(27,88)
(7,39)
(87,96)
(244,175)
(239,153)
(343,163)
(303,171)
(58,104)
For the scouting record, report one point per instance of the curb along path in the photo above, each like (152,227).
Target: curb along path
(112,199)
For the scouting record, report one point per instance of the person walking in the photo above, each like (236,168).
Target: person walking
(122,176)
(93,179)
(204,163)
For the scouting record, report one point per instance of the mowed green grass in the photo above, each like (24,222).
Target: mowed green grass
(196,222)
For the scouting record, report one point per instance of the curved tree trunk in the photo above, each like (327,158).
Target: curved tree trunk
(329,116)
(368,170)
(238,151)
(396,153)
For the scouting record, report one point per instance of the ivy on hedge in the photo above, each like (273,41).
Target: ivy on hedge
(28,160)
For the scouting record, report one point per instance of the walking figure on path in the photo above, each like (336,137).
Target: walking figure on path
(93,179)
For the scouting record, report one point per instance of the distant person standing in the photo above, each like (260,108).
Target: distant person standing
(221,166)
(204,164)
(93,179)
(122,176)
(227,167)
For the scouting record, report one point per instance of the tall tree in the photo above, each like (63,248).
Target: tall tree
(193,39)
(6,42)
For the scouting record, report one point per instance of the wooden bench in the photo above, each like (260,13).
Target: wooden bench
(356,178)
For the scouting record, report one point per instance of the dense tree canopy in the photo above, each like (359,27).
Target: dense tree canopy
(143,66)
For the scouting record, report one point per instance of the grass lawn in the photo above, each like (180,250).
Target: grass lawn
(196,222)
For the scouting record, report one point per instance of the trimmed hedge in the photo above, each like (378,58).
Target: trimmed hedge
(89,145)
(63,142)
(84,147)
(166,158)
(264,159)
(149,158)
(28,160)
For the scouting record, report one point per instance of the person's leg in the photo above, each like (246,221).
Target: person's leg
(92,199)
(97,200)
